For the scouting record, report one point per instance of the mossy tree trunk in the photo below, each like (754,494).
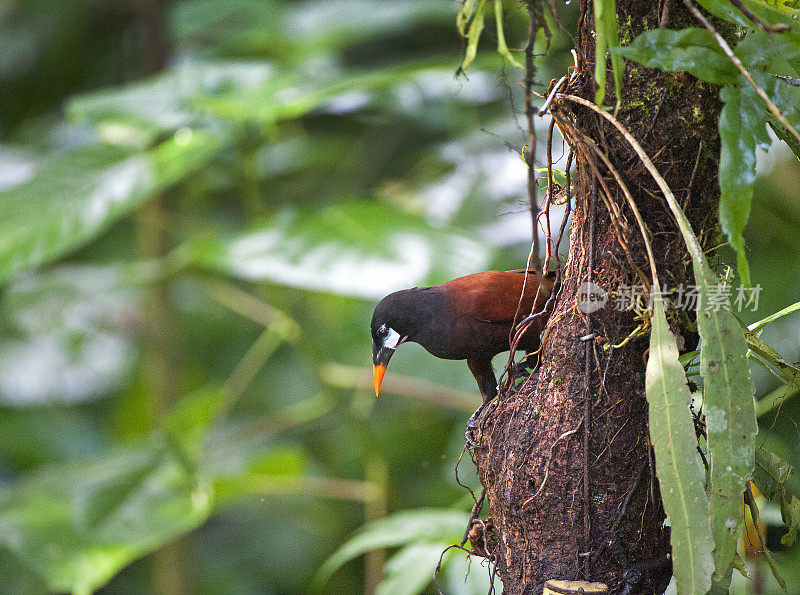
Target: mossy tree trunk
(599,512)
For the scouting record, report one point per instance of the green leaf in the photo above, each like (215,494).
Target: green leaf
(692,50)
(731,424)
(771,473)
(784,135)
(265,472)
(69,342)
(559,175)
(77,525)
(134,114)
(474,35)
(358,248)
(788,373)
(424,525)
(410,569)
(775,399)
(791,516)
(464,16)
(190,94)
(72,198)
(741,128)
(605,18)
(298,33)
(680,471)
(502,48)
(771,13)
(464,575)
(757,326)
(187,424)
(730,417)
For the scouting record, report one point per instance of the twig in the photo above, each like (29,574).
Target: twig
(439,564)
(623,509)
(788,79)
(548,202)
(779,28)
(631,204)
(530,72)
(691,178)
(691,241)
(746,73)
(476,510)
(568,203)
(664,21)
(616,216)
(543,110)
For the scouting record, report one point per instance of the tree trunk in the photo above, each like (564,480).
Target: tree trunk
(566,459)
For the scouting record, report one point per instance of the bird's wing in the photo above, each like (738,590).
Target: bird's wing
(493,296)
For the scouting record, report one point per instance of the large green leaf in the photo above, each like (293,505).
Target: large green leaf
(781,12)
(293,32)
(680,471)
(742,128)
(465,575)
(760,324)
(361,248)
(70,341)
(71,198)
(197,94)
(742,125)
(729,406)
(425,526)
(731,426)
(728,392)
(134,114)
(410,569)
(692,50)
(77,525)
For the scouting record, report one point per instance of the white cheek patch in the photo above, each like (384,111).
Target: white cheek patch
(392,339)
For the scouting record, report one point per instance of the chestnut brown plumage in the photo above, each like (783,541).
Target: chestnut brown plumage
(467,318)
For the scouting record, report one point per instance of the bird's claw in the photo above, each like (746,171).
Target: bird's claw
(470,440)
(472,424)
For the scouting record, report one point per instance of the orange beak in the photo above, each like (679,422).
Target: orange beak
(377,375)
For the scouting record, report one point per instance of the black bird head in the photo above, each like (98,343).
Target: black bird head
(391,326)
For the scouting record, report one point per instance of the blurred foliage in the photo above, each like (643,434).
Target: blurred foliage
(307,158)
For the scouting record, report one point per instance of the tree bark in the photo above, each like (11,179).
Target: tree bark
(566,459)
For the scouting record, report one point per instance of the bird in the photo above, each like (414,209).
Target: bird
(469,318)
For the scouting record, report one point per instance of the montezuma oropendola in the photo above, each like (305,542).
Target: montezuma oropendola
(467,318)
